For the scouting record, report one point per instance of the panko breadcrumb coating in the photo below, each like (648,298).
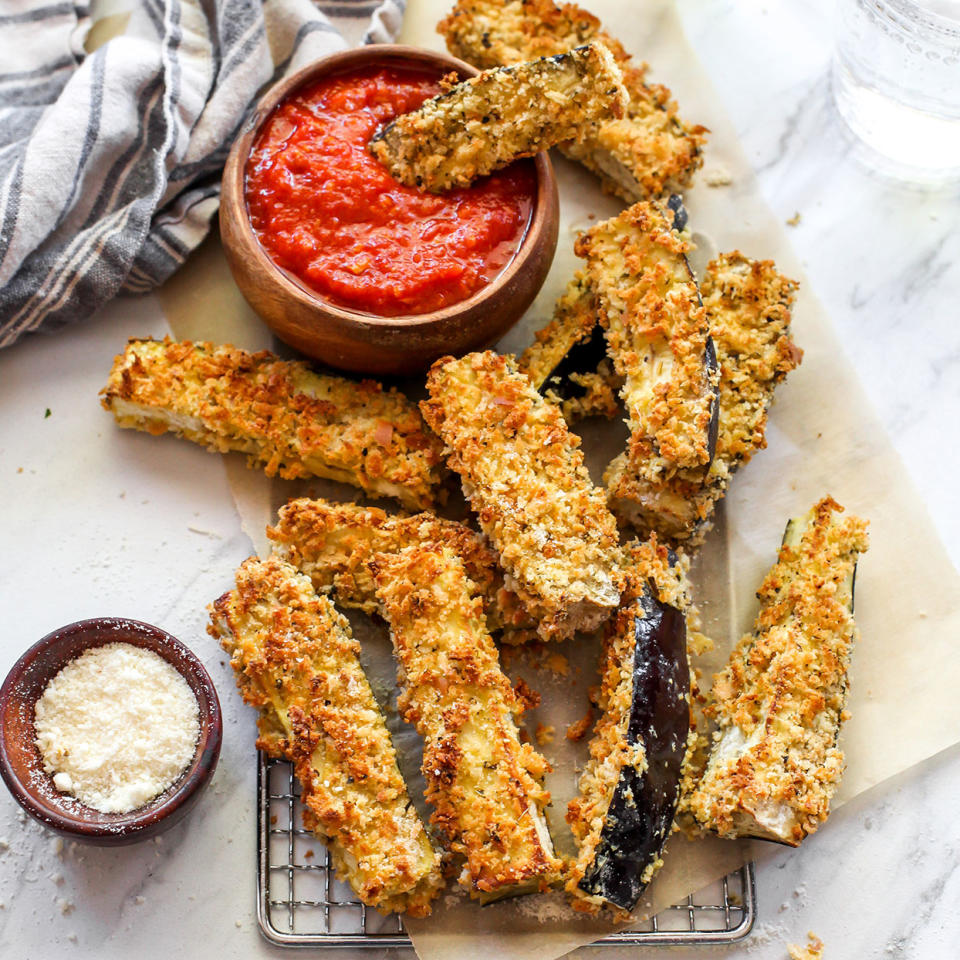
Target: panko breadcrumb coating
(501,115)
(616,750)
(484,785)
(646,153)
(657,336)
(573,326)
(748,305)
(333,544)
(523,473)
(296,661)
(294,422)
(780,701)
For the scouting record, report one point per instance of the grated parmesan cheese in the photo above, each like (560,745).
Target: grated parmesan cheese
(116,727)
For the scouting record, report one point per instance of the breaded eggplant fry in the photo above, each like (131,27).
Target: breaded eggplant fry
(646,153)
(296,661)
(568,362)
(657,336)
(333,543)
(748,306)
(485,785)
(523,473)
(294,422)
(780,702)
(630,787)
(488,121)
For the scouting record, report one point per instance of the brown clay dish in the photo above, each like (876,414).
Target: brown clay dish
(363,342)
(22,768)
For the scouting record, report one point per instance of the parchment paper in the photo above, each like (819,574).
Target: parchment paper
(823,438)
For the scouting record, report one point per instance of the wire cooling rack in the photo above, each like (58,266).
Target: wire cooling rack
(300,903)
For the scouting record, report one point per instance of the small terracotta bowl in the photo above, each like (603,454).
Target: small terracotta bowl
(362,342)
(22,767)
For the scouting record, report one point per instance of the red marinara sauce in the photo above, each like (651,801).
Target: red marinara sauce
(328,212)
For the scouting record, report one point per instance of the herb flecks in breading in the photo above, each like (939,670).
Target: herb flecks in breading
(484,123)
(648,152)
(484,785)
(523,473)
(780,702)
(296,661)
(283,415)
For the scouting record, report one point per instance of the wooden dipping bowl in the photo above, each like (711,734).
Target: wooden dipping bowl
(22,767)
(364,342)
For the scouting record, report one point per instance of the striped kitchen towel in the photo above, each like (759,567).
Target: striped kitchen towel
(110,162)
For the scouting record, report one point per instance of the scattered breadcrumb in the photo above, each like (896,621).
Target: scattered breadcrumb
(557,663)
(718,177)
(66,906)
(544,733)
(578,730)
(812,951)
(794,220)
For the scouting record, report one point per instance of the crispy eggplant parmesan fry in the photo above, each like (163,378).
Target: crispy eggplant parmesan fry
(485,785)
(657,336)
(488,121)
(646,153)
(568,362)
(294,422)
(748,306)
(780,701)
(630,787)
(296,661)
(523,473)
(333,543)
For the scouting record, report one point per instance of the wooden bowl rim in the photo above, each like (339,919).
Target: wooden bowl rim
(40,663)
(233,198)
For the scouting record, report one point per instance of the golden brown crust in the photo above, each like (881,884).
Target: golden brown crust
(484,785)
(648,152)
(649,562)
(574,320)
(294,422)
(333,543)
(523,473)
(574,317)
(657,336)
(748,305)
(779,703)
(504,113)
(296,661)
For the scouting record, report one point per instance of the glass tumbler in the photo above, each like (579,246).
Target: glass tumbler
(896,80)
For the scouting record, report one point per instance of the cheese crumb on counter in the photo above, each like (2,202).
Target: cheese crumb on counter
(812,951)
(116,727)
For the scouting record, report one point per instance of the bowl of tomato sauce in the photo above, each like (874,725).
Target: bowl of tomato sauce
(351,267)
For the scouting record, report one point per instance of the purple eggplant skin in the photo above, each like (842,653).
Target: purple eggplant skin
(643,806)
(679,211)
(584,356)
(712,366)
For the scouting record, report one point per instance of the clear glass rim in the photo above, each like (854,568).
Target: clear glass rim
(909,15)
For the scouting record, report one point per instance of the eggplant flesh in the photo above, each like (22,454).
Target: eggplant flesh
(643,805)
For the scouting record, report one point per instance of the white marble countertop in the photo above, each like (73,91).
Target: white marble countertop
(112,532)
